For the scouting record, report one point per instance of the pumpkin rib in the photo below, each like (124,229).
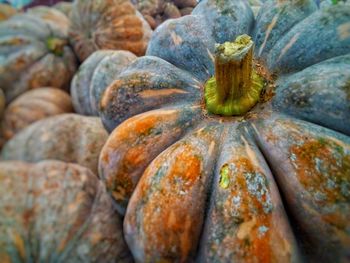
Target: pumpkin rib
(180,223)
(295,47)
(269,21)
(318,91)
(254,219)
(324,209)
(121,164)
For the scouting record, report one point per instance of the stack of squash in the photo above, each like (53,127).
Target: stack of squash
(222,136)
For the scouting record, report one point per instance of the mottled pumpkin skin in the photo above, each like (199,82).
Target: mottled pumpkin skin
(65,137)
(56,211)
(110,24)
(32,106)
(6,11)
(214,189)
(28,59)
(96,73)
(157,11)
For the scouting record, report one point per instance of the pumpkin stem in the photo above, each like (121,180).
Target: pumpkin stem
(236,87)
(56,45)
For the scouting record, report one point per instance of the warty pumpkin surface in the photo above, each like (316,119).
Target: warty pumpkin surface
(57,212)
(66,137)
(214,188)
(34,52)
(32,106)
(95,74)
(109,24)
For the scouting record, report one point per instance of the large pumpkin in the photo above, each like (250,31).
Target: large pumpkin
(109,24)
(217,153)
(34,52)
(57,212)
(32,106)
(66,137)
(94,76)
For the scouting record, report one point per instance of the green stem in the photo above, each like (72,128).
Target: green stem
(56,45)
(236,87)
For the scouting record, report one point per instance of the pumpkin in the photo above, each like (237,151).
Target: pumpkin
(214,142)
(110,24)
(157,11)
(32,106)
(34,52)
(56,211)
(64,7)
(2,103)
(66,137)
(94,76)
(6,11)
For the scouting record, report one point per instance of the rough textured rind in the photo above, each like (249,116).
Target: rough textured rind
(94,76)
(26,61)
(135,143)
(166,212)
(66,137)
(32,106)
(312,168)
(246,221)
(275,19)
(297,49)
(57,212)
(319,94)
(145,85)
(109,24)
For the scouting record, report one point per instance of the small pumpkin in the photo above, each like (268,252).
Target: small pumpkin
(94,76)
(210,136)
(157,11)
(34,52)
(110,24)
(56,211)
(6,11)
(66,137)
(32,106)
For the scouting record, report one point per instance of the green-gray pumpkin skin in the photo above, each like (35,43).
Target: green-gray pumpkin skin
(57,212)
(66,137)
(95,74)
(181,214)
(26,58)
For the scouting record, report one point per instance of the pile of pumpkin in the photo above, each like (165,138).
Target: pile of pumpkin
(124,144)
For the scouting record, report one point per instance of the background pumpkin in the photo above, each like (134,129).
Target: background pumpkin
(212,195)
(6,11)
(65,137)
(157,11)
(57,211)
(34,52)
(94,76)
(32,106)
(64,7)
(110,24)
